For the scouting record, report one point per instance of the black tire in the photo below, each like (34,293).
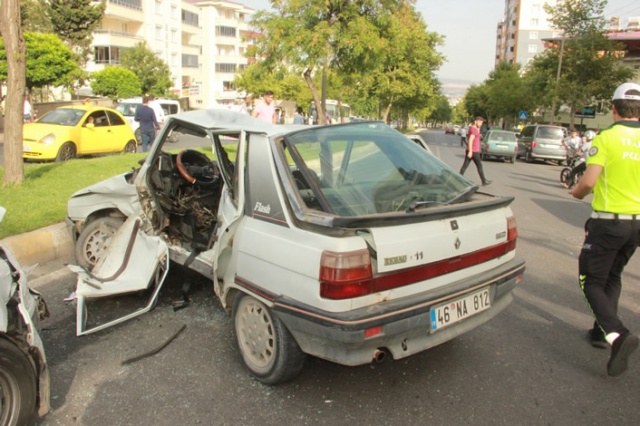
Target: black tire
(18,386)
(66,152)
(268,349)
(94,240)
(130,148)
(564,177)
(138,136)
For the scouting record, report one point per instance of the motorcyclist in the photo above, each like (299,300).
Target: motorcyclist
(583,151)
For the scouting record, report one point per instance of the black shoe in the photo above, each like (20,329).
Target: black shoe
(596,337)
(621,349)
(486,182)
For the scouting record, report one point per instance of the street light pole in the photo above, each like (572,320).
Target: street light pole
(555,95)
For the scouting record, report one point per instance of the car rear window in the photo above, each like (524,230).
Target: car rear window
(550,133)
(369,168)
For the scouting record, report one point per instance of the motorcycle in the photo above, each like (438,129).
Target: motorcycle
(24,373)
(565,173)
(576,162)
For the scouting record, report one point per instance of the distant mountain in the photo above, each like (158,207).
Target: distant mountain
(455,89)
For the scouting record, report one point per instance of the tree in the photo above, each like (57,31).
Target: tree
(152,72)
(507,93)
(442,112)
(404,71)
(48,61)
(587,65)
(116,82)
(476,101)
(75,21)
(34,16)
(11,33)
(320,35)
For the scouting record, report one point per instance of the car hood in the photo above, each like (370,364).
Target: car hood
(36,131)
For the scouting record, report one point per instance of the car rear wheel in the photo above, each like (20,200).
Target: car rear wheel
(130,148)
(66,152)
(94,240)
(268,349)
(18,389)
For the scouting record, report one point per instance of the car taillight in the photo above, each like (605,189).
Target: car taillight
(533,144)
(512,232)
(345,275)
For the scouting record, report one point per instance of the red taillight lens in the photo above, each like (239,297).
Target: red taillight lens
(533,144)
(512,232)
(345,275)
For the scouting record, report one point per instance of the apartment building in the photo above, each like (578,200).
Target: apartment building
(520,33)
(202,42)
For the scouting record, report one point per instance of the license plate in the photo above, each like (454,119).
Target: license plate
(551,146)
(502,146)
(456,310)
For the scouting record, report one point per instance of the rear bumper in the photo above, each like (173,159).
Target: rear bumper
(405,323)
(549,155)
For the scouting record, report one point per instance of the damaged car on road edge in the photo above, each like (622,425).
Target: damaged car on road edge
(349,243)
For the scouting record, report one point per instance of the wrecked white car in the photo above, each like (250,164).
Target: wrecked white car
(24,373)
(347,242)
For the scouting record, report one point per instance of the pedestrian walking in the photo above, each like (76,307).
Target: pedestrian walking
(472,151)
(148,123)
(611,233)
(266,111)
(298,117)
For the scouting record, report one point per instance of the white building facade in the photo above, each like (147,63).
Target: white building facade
(202,42)
(519,35)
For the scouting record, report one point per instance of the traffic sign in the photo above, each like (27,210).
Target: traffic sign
(587,112)
(523,115)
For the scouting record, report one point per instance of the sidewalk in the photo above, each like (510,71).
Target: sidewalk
(42,245)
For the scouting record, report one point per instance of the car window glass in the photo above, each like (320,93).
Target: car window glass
(368,169)
(550,133)
(63,116)
(115,119)
(528,131)
(100,119)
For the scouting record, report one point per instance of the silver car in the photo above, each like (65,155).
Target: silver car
(24,373)
(542,142)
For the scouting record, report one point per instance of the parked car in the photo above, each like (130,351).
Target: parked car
(127,107)
(347,242)
(542,142)
(499,144)
(24,373)
(77,130)
(415,137)
(449,130)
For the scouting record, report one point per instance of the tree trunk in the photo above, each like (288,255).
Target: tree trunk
(14,46)
(314,94)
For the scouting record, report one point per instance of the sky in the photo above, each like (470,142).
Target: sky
(469,28)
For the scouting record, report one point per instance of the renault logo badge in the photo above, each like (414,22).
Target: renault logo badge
(458,243)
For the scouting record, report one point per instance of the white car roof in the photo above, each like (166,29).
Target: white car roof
(219,119)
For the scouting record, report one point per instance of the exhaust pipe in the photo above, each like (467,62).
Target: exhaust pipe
(379,355)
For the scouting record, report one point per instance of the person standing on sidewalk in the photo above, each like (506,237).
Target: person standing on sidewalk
(266,111)
(611,233)
(148,123)
(472,151)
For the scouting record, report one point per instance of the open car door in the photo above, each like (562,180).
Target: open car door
(133,263)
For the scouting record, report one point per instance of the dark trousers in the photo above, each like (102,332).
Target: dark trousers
(478,162)
(608,246)
(580,168)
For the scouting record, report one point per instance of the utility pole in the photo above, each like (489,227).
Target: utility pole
(555,95)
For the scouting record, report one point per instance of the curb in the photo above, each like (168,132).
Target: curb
(42,245)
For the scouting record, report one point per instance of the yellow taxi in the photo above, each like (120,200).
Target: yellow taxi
(77,130)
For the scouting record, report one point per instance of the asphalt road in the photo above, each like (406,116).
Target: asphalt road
(531,365)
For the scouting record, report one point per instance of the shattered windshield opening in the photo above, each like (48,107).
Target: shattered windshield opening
(369,168)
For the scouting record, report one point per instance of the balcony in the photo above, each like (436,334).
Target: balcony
(129,10)
(115,38)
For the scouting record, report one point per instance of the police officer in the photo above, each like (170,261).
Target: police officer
(611,233)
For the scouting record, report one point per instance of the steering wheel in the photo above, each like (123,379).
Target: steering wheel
(196,168)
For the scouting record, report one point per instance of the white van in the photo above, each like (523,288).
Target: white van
(128,108)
